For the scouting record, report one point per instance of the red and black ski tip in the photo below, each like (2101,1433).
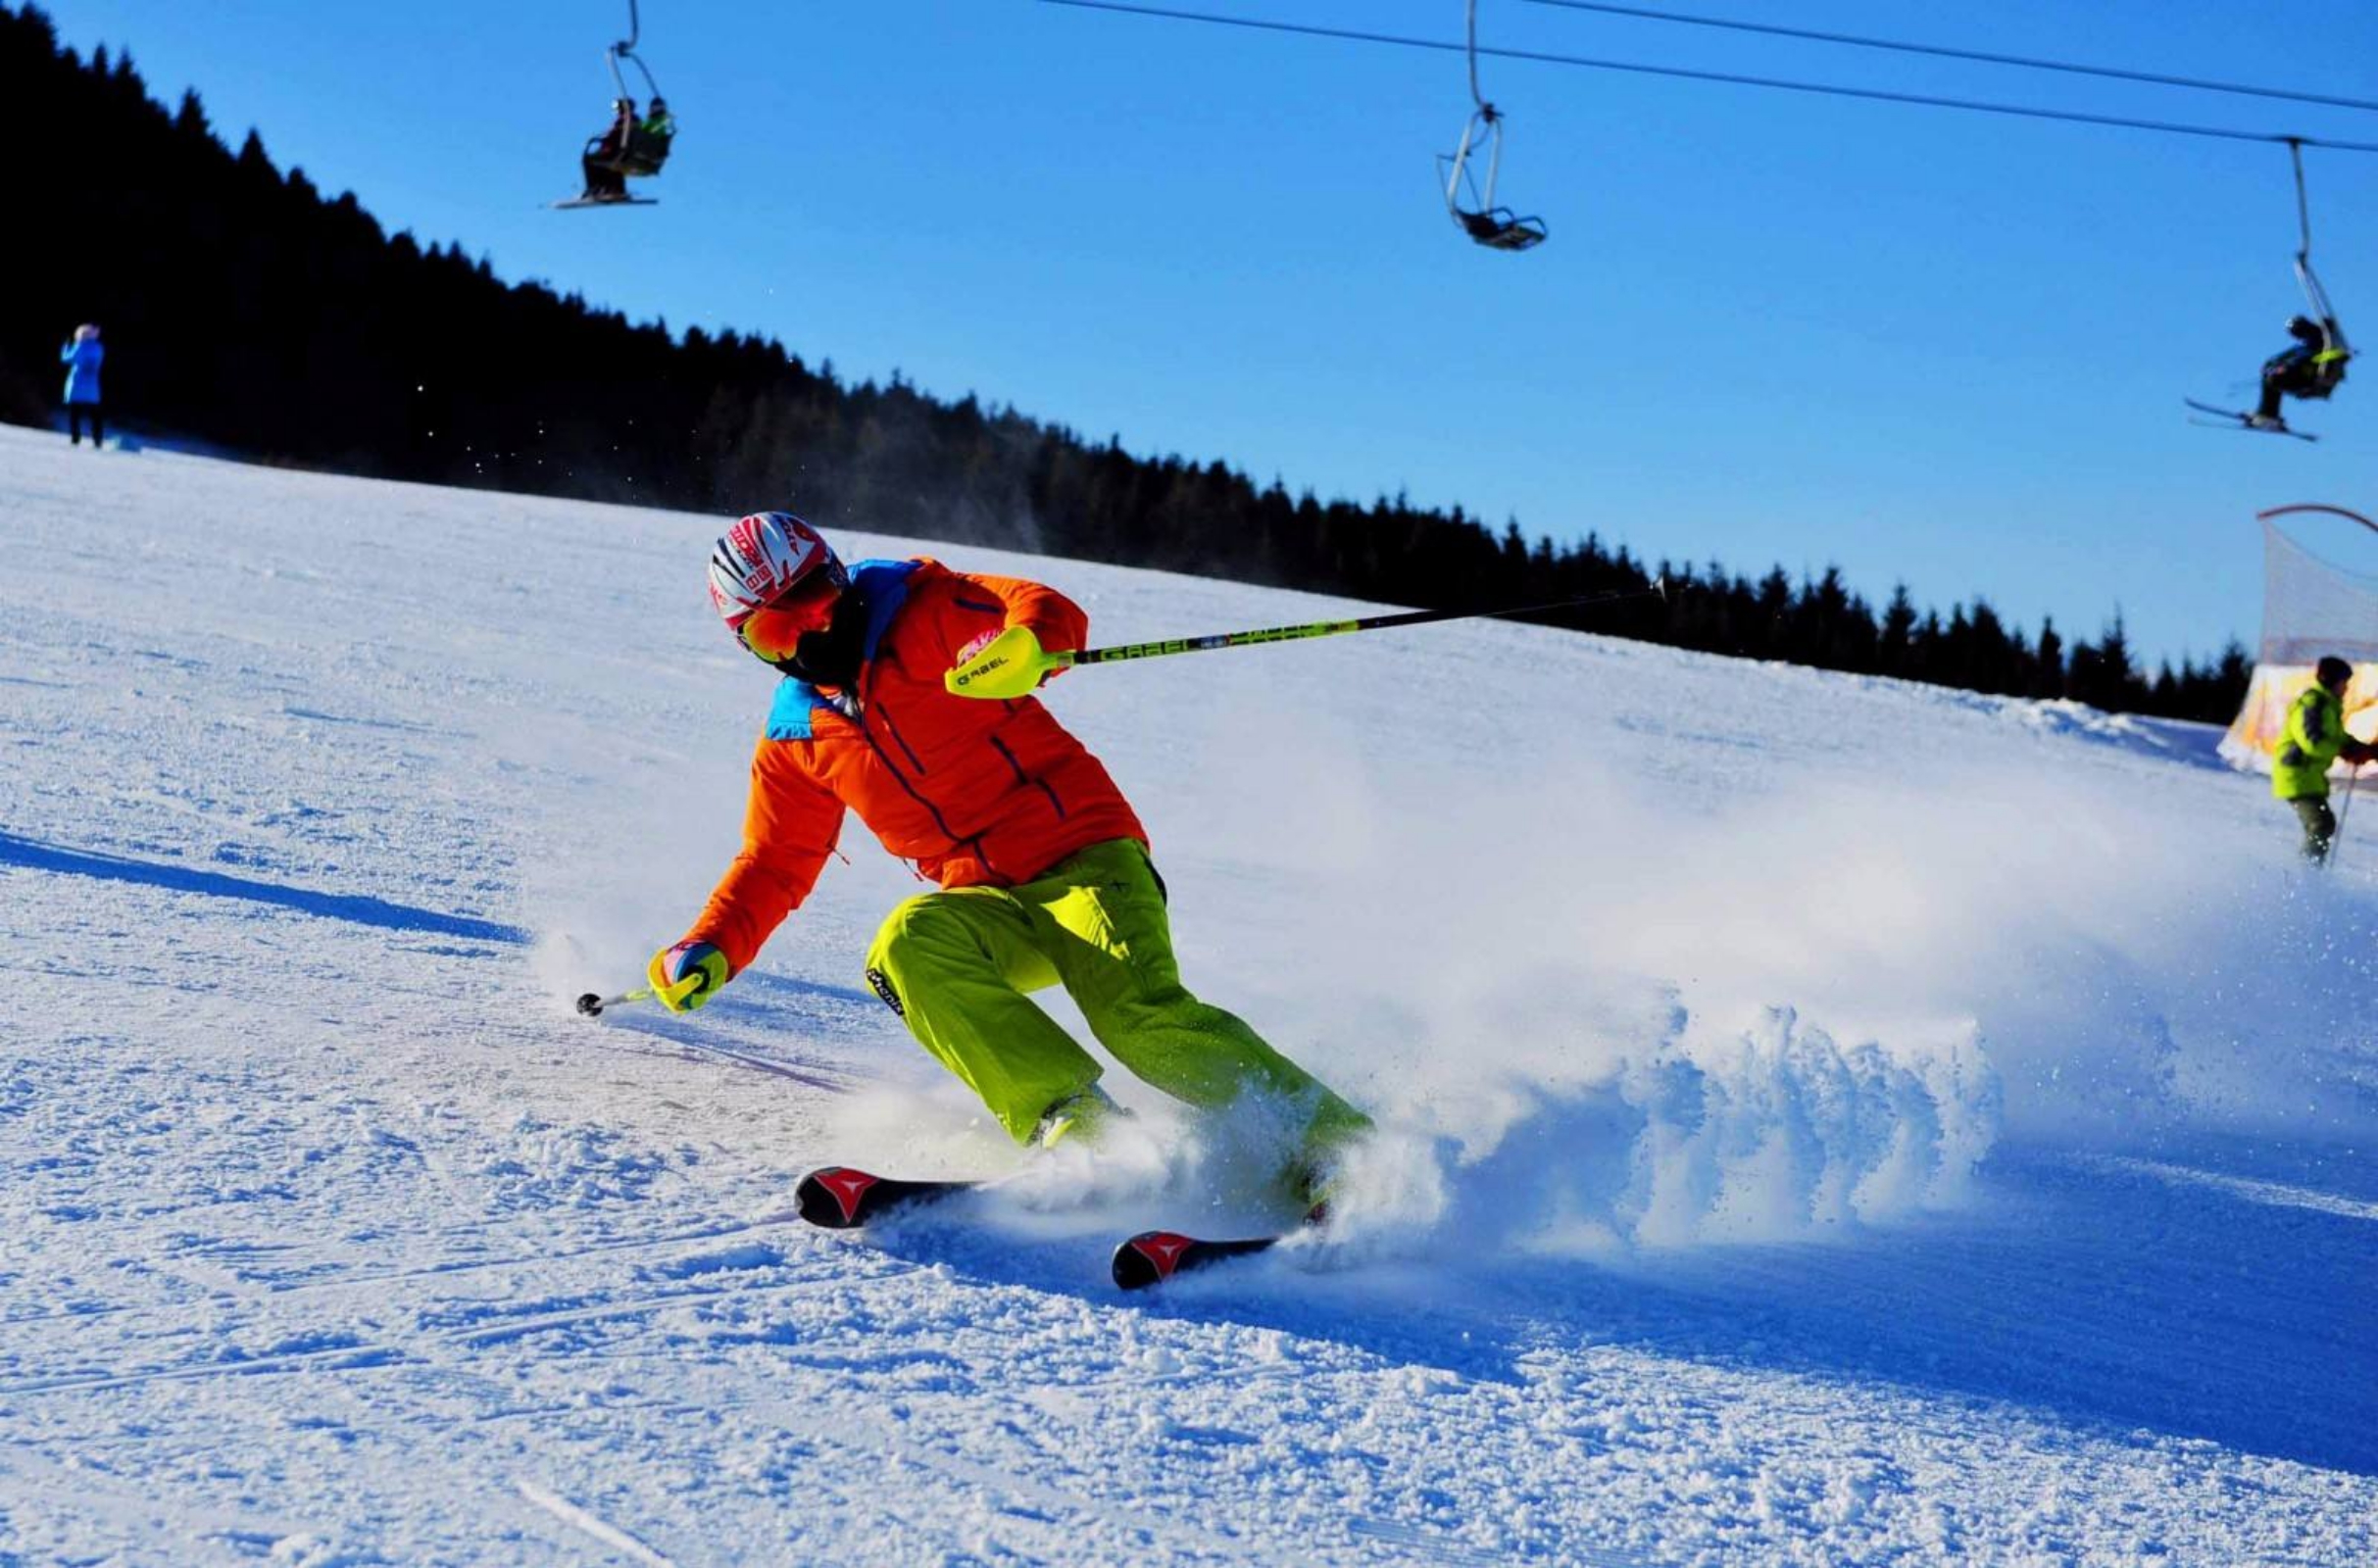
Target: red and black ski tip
(840,1199)
(1154,1256)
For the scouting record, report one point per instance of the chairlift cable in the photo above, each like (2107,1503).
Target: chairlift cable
(2112,72)
(1730,79)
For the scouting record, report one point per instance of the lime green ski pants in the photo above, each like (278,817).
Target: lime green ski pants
(956,965)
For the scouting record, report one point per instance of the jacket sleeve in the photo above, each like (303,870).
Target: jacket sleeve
(2309,729)
(790,828)
(1057,621)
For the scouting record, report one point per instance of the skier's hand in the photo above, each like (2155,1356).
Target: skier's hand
(1002,666)
(687,975)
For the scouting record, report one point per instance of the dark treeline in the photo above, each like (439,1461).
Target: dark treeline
(244,307)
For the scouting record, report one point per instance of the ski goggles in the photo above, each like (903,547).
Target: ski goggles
(776,629)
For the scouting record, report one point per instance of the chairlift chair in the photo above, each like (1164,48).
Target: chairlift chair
(1473,208)
(2327,362)
(1495,228)
(643,146)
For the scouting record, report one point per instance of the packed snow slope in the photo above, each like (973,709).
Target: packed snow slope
(1823,1120)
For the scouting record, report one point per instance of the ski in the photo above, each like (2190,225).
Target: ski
(841,1197)
(2241,421)
(1154,1256)
(837,1198)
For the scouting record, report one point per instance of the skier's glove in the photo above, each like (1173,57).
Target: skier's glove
(687,975)
(1005,666)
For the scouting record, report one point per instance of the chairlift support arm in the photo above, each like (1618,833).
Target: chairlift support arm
(614,54)
(625,49)
(1475,95)
(1485,115)
(2303,206)
(1458,174)
(2313,293)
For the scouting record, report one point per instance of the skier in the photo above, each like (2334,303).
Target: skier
(2316,737)
(2310,367)
(600,162)
(648,143)
(83,355)
(1044,868)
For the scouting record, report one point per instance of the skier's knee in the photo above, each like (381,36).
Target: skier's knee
(1156,1012)
(926,923)
(907,928)
(901,928)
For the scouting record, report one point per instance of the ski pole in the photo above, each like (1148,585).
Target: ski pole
(592,1005)
(1010,667)
(2338,836)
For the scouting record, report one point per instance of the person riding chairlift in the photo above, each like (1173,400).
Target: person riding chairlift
(649,138)
(2312,366)
(631,144)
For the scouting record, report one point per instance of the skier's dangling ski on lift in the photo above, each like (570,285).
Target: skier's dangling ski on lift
(2231,420)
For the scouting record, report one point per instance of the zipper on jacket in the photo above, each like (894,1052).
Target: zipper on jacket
(866,733)
(910,751)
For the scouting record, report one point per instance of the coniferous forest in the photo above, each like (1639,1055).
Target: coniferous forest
(289,326)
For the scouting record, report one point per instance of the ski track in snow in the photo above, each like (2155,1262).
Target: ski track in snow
(1826,1121)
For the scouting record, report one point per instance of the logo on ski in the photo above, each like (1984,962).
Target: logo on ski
(1154,1256)
(1161,1249)
(838,1198)
(847,1186)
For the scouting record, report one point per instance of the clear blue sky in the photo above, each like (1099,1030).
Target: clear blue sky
(1923,345)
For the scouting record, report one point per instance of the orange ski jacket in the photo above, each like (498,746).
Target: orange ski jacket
(972,791)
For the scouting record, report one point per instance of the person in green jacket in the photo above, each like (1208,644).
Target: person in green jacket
(2315,738)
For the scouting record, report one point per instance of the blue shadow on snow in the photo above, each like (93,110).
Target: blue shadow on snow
(2223,1298)
(2119,1301)
(359,909)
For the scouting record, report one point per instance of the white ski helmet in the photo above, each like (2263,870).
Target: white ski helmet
(762,559)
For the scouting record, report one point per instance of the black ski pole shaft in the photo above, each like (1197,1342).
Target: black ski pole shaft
(1005,670)
(2337,838)
(1336,628)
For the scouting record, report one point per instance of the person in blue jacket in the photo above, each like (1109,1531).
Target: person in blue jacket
(82,357)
